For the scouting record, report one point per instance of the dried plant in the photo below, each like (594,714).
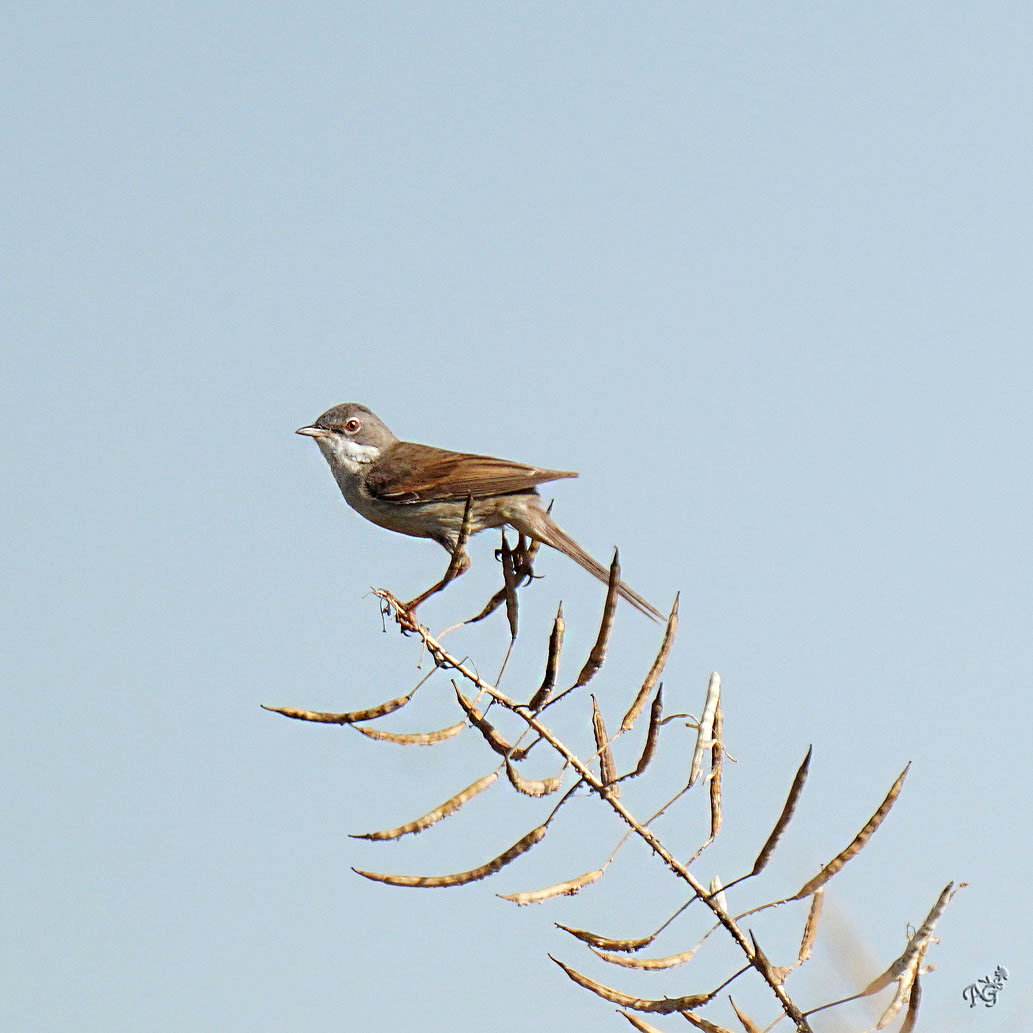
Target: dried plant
(598,773)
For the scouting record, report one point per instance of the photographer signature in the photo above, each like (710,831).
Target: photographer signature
(986,989)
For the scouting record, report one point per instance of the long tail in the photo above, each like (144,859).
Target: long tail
(546,530)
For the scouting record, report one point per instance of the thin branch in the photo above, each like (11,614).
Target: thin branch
(444,659)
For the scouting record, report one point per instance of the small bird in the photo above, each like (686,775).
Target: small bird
(422,491)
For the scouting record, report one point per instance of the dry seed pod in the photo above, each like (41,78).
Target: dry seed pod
(810,929)
(857,843)
(541,697)
(717,894)
(496,741)
(913,1001)
(516,572)
(915,944)
(369,714)
(925,930)
(647,964)
(747,1023)
(412,738)
(899,996)
(521,846)
(531,786)
(704,1024)
(517,755)
(450,806)
(489,607)
(607,769)
(705,732)
(905,984)
(787,812)
(598,653)
(663,1006)
(775,974)
(652,735)
(509,580)
(560,889)
(640,1024)
(605,942)
(655,671)
(509,574)
(716,755)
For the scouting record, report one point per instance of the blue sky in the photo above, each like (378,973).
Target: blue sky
(761,276)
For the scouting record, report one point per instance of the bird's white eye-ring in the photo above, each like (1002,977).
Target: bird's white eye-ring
(352,427)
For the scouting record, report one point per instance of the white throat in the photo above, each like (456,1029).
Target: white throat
(349,454)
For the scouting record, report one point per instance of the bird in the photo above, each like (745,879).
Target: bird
(423,491)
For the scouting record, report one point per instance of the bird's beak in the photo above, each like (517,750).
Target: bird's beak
(313,432)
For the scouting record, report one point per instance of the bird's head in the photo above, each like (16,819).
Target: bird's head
(350,436)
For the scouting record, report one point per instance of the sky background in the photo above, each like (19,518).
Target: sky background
(761,276)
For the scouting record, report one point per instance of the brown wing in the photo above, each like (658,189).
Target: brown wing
(407,472)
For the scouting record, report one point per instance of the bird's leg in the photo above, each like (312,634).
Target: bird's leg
(516,567)
(458,565)
(524,554)
(523,558)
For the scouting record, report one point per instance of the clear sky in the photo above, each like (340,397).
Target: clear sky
(761,276)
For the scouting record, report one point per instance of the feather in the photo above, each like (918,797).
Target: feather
(406,472)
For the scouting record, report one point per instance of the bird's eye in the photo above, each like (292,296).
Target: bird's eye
(352,427)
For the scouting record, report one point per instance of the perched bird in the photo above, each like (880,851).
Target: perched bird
(422,491)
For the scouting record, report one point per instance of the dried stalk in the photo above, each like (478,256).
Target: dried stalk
(445,659)
(516,565)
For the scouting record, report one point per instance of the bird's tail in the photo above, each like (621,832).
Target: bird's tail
(546,530)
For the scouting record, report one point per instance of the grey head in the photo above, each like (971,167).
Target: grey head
(350,436)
